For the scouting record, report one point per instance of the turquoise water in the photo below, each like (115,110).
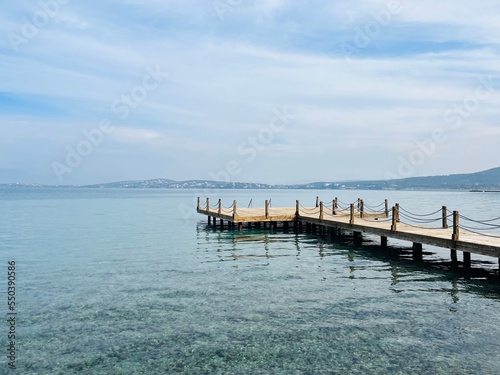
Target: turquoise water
(132,282)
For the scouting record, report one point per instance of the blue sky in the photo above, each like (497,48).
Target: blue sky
(373,89)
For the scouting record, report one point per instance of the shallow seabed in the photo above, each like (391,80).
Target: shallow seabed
(116,282)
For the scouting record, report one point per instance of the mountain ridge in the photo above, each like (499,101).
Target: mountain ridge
(482,180)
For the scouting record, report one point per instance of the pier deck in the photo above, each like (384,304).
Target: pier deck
(385,223)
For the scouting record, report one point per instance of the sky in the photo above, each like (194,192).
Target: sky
(268,91)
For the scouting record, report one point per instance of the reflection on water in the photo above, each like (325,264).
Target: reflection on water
(259,244)
(355,309)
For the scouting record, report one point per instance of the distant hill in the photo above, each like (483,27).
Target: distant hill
(485,180)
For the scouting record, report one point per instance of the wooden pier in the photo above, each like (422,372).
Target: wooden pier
(441,228)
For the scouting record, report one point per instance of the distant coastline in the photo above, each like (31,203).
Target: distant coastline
(484,181)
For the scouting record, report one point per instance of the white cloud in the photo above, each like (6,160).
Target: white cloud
(228,75)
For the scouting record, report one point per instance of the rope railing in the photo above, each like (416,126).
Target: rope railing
(420,220)
(478,233)
(375,208)
(419,215)
(484,222)
(467,227)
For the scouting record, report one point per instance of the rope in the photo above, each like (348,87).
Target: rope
(474,228)
(484,222)
(374,208)
(421,227)
(418,220)
(413,214)
(480,234)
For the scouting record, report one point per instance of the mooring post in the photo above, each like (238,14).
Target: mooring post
(334,206)
(456,228)
(397,212)
(297,205)
(351,218)
(267,209)
(234,209)
(208,204)
(359,203)
(444,215)
(317,201)
(198,205)
(321,210)
(219,209)
(394,217)
(386,208)
(361,208)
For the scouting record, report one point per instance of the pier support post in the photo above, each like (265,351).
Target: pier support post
(358,238)
(417,251)
(272,225)
(313,228)
(240,226)
(444,214)
(351,218)
(295,226)
(383,242)
(467,260)
(308,227)
(454,258)
(285,226)
(249,225)
(221,224)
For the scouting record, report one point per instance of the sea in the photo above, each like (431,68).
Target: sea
(134,281)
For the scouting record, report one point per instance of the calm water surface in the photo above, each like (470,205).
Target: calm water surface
(133,282)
